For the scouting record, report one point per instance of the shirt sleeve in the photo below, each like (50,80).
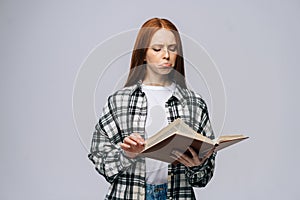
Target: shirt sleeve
(199,176)
(105,152)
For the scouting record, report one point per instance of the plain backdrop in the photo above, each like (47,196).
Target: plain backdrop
(255,45)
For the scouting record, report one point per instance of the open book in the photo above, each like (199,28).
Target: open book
(179,136)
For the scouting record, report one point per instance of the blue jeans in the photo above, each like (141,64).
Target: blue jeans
(156,192)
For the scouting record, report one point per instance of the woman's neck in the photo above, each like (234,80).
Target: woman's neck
(158,81)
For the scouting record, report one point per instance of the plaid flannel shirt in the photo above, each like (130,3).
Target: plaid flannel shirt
(125,113)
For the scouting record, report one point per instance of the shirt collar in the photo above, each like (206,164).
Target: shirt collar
(179,92)
(136,87)
(180,95)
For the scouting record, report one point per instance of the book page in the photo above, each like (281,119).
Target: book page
(228,140)
(162,134)
(179,136)
(225,138)
(176,127)
(163,149)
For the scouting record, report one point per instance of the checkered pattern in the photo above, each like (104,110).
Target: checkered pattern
(125,113)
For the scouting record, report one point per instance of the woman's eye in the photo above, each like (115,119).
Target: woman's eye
(157,50)
(172,48)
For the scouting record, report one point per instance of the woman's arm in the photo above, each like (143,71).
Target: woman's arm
(105,151)
(198,171)
(200,175)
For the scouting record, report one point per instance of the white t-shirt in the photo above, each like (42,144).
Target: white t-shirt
(156,171)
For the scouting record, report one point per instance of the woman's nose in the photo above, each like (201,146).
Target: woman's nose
(166,54)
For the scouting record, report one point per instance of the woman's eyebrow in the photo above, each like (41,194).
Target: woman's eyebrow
(161,45)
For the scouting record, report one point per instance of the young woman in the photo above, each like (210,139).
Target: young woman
(154,95)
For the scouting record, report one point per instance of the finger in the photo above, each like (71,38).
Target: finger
(195,157)
(194,154)
(129,141)
(131,149)
(177,153)
(197,160)
(124,146)
(180,160)
(183,157)
(137,138)
(207,155)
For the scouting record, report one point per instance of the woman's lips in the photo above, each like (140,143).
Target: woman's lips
(166,65)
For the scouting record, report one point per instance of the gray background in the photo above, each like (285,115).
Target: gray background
(255,45)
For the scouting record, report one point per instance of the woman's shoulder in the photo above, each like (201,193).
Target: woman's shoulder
(193,97)
(123,92)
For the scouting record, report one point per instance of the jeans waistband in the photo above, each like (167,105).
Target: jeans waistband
(158,192)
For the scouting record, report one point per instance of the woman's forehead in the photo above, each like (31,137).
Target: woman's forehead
(163,36)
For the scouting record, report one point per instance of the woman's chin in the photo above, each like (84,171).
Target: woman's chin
(165,71)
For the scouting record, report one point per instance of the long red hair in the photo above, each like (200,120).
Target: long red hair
(137,65)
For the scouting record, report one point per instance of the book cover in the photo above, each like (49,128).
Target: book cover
(179,136)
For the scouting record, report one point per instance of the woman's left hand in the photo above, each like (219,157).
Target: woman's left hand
(191,161)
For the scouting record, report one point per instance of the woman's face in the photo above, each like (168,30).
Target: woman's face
(161,54)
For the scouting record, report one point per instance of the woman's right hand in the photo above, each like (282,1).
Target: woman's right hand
(133,145)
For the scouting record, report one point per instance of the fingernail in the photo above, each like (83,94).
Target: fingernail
(173,157)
